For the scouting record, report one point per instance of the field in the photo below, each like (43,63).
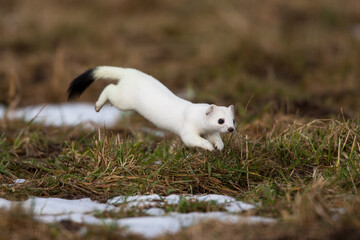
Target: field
(290,68)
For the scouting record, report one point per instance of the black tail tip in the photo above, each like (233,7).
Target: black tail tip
(80,83)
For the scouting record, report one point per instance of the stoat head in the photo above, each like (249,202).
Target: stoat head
(221,119)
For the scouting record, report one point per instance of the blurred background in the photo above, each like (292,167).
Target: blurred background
(297,57)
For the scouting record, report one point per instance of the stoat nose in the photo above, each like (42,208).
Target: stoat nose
(230,129)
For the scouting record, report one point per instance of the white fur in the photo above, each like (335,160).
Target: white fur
(196,124)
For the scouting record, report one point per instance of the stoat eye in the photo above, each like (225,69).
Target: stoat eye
(221,121)
(234,121)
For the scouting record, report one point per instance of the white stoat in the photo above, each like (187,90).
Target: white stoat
(197,124)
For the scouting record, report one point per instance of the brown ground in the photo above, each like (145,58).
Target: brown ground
(288,56)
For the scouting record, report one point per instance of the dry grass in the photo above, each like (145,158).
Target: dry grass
(313,218)
(72,164)
(291,68)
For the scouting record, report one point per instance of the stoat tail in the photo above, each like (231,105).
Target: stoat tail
(83,81)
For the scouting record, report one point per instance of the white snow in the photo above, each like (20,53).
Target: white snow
(156,223)
(56,206)
(140,198)
(155,211)
(151,226)
(19,181)
(229,203)
(66,114)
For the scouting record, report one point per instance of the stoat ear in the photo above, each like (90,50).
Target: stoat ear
(231,108)
(210,110)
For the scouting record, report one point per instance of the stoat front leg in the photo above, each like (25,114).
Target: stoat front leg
(194,140)
(215,139)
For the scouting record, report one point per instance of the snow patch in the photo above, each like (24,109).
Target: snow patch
(229,203)
(157,223)
(151,226)
(19,181)
(70,114)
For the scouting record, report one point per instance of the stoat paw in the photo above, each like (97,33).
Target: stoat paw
(97,108)
(207,146)
(219,145)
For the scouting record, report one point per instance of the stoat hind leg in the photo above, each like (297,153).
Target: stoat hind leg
(104,97)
